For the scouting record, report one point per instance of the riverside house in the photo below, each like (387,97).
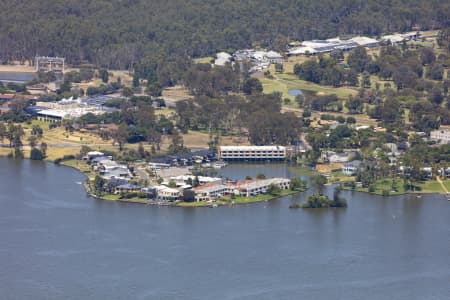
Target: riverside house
(128,188)
(259,186)
(212,191)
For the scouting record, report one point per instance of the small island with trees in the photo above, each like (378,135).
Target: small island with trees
(323,201)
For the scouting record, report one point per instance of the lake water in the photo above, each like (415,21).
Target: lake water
(295,92)
(56,243)
(17,77)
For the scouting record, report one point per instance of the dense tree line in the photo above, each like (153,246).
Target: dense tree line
(259,114)
(414,78)
(118,33)
(135,122)
(326,71)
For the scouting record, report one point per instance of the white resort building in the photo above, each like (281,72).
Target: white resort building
(252,152)
(167,194)
(259,186)
(441,136)
(212,191)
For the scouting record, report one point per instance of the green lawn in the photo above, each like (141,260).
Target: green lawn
(116,197)
(134,200)
(258,198)
(111,197)
(283,82)
(199,204)
(203,60)
(431,186)
(77,164)
(447,184)
(42,124)
(302,171)
(385,185)
(253,199)
(238,200)
(339,177)
(425,187)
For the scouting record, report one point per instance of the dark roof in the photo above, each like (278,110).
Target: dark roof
(115,182)
(34,110)
(98,100)
(204,153)
(181,156)
(129,187)
(161,160)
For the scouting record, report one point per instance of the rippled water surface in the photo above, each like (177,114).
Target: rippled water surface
(56,243)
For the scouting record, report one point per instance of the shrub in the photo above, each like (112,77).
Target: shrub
(64,158)
(351,120)
(340,119)
(274,189)
(36,154)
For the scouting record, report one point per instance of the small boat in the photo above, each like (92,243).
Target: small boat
(219,165)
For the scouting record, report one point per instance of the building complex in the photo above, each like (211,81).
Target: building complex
(442,136)
(49,64)
(252,152)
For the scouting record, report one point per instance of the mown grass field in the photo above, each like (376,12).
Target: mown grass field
(61,143)
(283,82)
(425,187)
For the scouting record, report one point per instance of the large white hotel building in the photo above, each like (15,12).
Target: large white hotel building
(252,152)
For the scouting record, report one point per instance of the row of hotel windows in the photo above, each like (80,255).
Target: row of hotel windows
(252,152)
(248,154)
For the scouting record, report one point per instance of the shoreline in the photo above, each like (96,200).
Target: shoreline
(228,202)
(254,199)
(225,201)
(427,187)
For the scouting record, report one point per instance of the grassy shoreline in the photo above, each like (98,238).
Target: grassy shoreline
(227,200)
(424,187)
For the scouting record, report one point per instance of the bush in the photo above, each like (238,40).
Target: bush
(340,119)
(327,117)
(64,158)
(260,176)
(36,154)
(351,120)
(297,184)
(274,189)
(188,196)
(306,114)
(127,195)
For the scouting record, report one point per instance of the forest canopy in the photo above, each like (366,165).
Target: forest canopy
(121,33)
